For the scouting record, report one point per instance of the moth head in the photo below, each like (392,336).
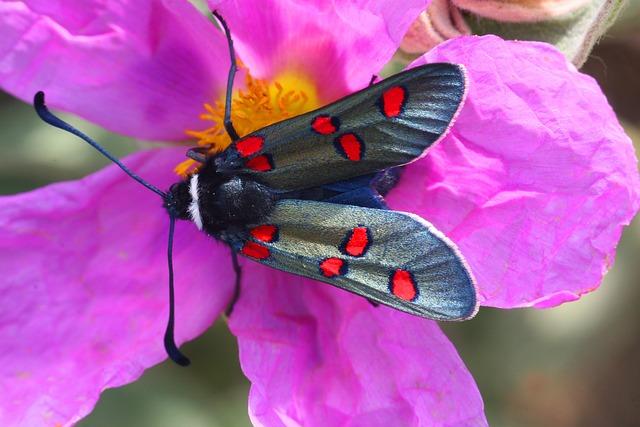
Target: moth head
(183,200)
(178,200)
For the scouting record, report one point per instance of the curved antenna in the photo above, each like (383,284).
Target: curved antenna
(50,118)
(228,124)
(169,341)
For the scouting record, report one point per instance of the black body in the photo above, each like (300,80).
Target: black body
(227,202)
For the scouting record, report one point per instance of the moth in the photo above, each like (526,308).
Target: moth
(306,195)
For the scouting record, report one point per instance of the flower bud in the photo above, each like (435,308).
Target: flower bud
(572,26)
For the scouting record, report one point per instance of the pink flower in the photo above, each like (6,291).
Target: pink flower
(534,183)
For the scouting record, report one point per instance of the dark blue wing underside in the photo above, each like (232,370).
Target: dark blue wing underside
(365,197)
(366,191)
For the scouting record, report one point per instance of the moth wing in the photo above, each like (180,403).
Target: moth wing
(391,123)
(391,257)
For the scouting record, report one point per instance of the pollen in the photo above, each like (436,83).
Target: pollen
(258,104)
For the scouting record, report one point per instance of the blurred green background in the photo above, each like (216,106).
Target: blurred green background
(575,365)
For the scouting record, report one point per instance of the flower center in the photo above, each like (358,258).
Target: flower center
(259,104)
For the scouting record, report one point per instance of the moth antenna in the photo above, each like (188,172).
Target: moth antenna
(48,117)
(169,341)
(228,124)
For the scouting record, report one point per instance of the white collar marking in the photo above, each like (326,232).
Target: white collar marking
(194,209)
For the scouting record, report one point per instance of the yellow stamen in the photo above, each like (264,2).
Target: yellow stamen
(259,104)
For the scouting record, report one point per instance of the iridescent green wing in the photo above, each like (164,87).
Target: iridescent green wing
(394,258)
(391,123)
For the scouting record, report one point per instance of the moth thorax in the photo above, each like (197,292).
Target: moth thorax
(220,202)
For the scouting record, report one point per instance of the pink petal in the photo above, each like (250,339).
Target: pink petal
(339,44)
(84,289)
(142,68)
(319,356)
(536,179)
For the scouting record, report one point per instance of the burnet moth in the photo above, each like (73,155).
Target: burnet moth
(305,195)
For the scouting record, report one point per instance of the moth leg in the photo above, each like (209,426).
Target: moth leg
(199,154)
(228,124)
(236,290)
(374,77)
(373,303)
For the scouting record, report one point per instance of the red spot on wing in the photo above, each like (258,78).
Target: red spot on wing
(249,145)
(261,163)
(255,250)
(267,233)
(393,100)
(331,267)
(325,125)
(357,242)
(403,285)
(350,146)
